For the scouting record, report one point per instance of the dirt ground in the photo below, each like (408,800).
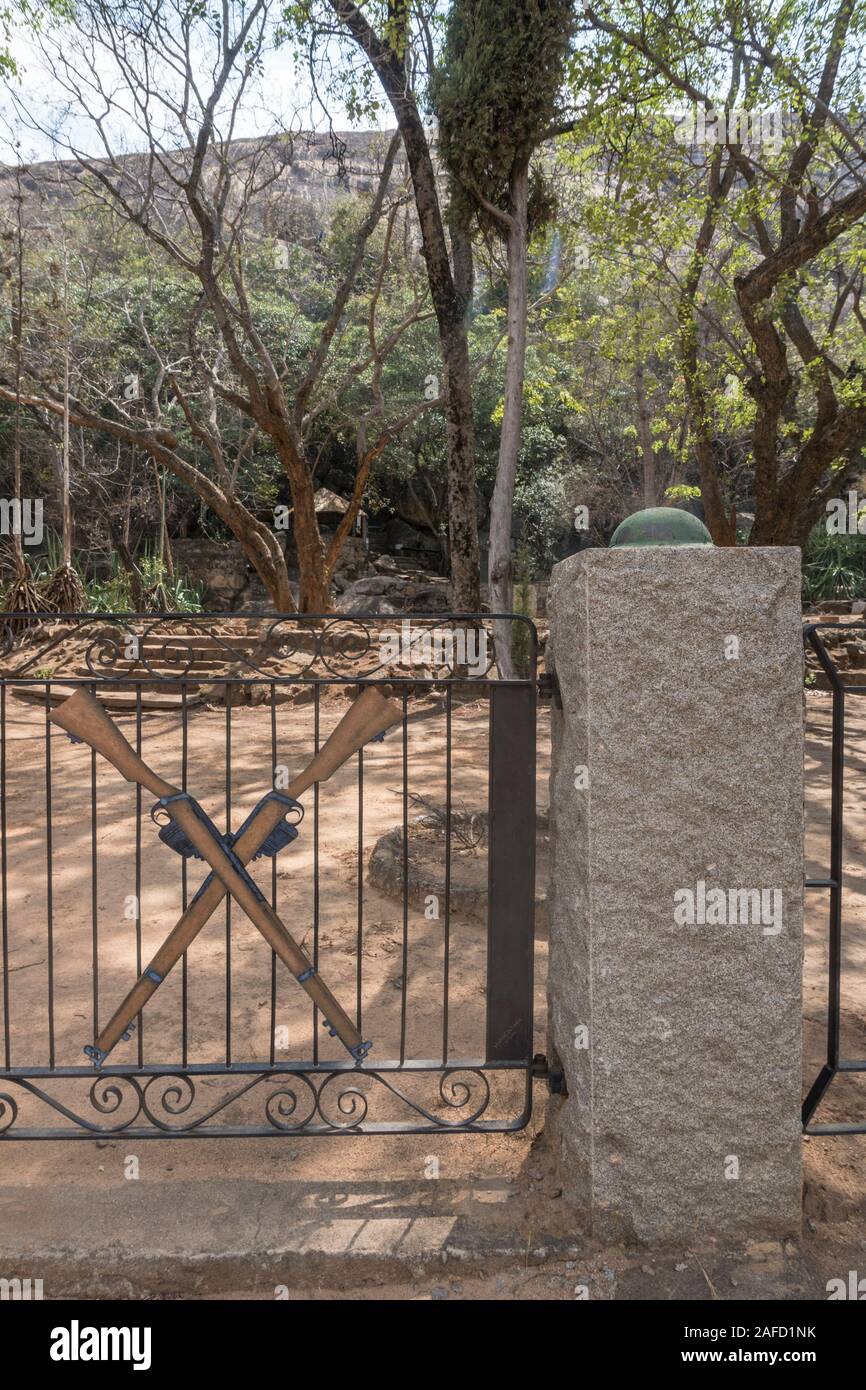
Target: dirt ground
(508,1176)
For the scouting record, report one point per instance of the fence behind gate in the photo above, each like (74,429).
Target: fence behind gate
(411,885)
(818,637)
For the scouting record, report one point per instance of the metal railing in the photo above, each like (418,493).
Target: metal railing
(832,882)
(440,979)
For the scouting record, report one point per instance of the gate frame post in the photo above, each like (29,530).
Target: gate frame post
(511,873)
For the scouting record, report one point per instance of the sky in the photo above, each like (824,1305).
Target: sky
(36,100)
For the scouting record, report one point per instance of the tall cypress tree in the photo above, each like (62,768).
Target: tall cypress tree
(496,95)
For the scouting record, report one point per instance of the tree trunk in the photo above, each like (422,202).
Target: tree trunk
(121,544)
(449,305)
(17,334)
(644,430)
(263,551)
(462,497)
(502,505)
(66,459)
(720,524)
(453,337)
(315,590)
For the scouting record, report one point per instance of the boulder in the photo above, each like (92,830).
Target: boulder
(374,604)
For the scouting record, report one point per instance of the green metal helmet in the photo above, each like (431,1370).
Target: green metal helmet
(660,526)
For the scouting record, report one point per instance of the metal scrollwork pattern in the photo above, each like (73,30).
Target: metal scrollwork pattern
(180,1103)
(221,647)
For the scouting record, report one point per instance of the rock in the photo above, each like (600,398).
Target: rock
(646,1171)
(385,564)
(220,567)
(427,598)
(398,535)
(374,604)
(379,593)
(376,584)
(425,872)
(833,605)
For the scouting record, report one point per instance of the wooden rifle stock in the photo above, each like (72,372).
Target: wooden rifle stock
(369,716)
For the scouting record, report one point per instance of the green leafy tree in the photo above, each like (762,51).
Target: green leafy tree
(732,136)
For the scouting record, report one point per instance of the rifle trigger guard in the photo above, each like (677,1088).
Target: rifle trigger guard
(283,833)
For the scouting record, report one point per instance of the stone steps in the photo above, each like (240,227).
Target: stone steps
(110,696)
(164,679)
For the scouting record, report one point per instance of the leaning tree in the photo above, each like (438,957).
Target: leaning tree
(179,78)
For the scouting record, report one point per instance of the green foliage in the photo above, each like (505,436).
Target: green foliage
(495,94)
(163,593)
(27,16)
(834,566)
(682,492)
(642,195)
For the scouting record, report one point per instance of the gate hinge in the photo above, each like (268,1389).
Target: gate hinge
(554,1076)
(548,688)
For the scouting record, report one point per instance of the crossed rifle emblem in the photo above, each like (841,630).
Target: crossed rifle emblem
(188,830)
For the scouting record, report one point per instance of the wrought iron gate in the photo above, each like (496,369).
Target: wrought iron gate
(831,882)
(437,967)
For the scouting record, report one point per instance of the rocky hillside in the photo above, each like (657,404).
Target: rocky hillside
(298,177)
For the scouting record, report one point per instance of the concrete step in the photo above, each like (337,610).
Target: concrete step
(169,678)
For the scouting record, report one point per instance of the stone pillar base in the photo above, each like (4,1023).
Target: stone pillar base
(677,890)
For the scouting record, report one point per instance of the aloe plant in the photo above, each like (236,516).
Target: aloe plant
(834,566)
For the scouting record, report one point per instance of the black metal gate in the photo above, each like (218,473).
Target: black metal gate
(382,885)
(832,881)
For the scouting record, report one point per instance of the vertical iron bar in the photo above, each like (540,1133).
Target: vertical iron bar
(228,760)
(446,964)
(4,919)
(837,765)
(138,960)
(511,873)
(184,885)
(405,959)
(273,874)
(360,931)
(94,909)
(316,737)
(49,876)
